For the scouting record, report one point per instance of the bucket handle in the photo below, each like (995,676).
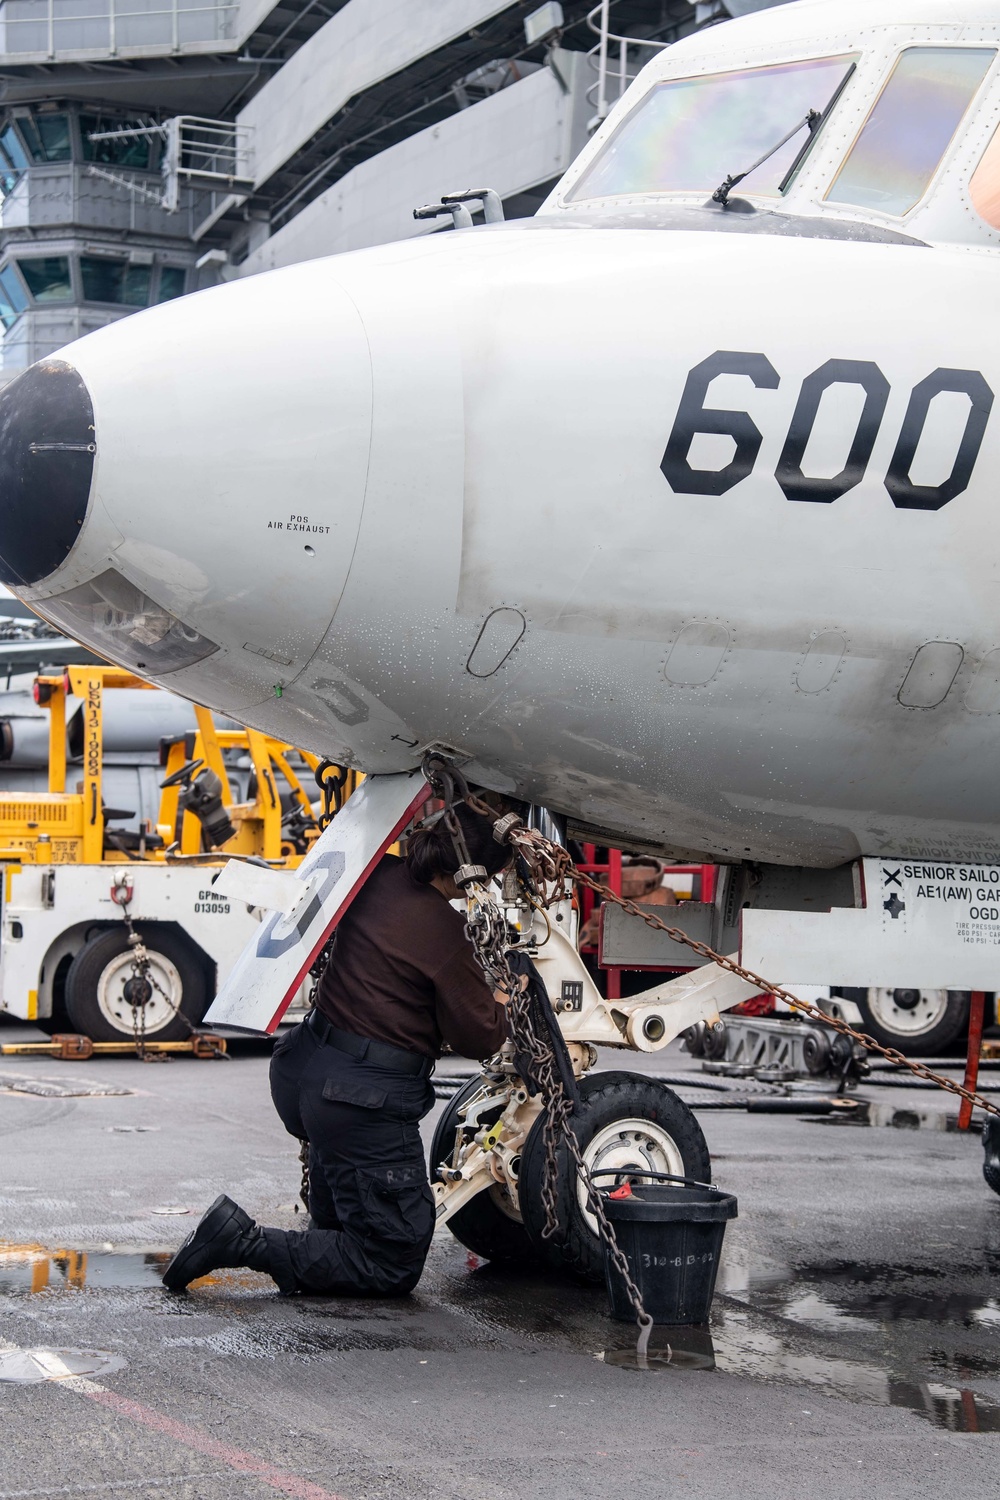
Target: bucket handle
(659,1176)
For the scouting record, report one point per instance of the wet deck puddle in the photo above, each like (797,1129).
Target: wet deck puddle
(955,1408)
(37,1268)
(802,1327)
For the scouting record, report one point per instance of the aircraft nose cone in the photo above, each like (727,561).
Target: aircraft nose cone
(47,452)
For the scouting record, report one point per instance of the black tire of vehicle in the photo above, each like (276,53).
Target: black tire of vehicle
(58,1020)
(991,1152)
(99,951)
(952,1024)
(604,1099)
(481,1224)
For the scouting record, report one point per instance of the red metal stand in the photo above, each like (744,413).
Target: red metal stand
(611,872)
(977,1007)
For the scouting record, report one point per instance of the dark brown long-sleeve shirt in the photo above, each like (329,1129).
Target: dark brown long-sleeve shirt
(404,972)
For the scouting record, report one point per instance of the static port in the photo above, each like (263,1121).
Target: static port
(653,1028)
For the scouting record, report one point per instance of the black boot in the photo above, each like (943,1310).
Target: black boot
(226,1236)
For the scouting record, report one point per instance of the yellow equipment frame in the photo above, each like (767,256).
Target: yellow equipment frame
(60,827)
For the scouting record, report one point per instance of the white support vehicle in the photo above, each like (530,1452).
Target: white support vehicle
(65,957)
(75,888)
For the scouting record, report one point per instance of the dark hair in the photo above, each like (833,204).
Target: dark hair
(430,851)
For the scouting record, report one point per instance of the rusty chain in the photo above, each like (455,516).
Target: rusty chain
(554,866)
(142,979)
(142,975)
(304,1180)
(487,931)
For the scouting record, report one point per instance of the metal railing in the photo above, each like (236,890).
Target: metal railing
(610,60)
(51,27)
(214,156)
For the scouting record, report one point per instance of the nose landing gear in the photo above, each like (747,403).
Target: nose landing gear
(626,1123)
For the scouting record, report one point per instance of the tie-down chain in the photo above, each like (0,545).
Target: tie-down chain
(488,931)
(138,988)
(554,868)
(544,872)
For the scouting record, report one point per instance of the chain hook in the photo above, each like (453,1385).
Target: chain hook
(332,788)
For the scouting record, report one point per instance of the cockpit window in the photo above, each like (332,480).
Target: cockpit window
(688,134)
(985,184)
(910,127)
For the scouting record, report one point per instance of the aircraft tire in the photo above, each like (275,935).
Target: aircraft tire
(624,1122)
(94,987)
(489,1225)
(924,1031)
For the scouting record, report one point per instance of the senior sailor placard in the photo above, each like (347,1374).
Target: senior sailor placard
(923,923)
(958,903)
(303,906)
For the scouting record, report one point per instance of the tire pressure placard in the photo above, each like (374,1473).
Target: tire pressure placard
(269,971)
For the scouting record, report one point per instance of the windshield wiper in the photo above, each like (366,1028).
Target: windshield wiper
(810,122)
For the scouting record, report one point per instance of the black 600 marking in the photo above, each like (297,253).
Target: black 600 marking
(910,496)
(795,484)
(694,417)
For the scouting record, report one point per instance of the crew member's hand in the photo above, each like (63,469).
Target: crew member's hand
(502,997)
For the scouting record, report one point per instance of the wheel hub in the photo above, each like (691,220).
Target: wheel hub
(631,1148)
(151,999)
(138,990)
(908,1012)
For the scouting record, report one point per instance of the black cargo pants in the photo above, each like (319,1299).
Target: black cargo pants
(370,1203)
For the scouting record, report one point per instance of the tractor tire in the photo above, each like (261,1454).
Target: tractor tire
(490,1224)
(921,1023)
(97,976)
(625,1122)
(991,1152)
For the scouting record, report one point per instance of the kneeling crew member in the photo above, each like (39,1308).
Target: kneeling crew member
(353,1080)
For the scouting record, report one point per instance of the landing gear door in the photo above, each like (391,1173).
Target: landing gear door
(269,971)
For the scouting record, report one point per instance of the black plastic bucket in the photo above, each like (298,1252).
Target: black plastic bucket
(670,1231)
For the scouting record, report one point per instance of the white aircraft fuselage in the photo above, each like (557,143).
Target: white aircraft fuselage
(678,518)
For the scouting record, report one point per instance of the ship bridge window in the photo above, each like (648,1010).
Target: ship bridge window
(136,152)
(686,135)
(47,137)
(12,160)
(910,127)
(47,278)
(106,280)
(12,298)
(172,280)
(13,151)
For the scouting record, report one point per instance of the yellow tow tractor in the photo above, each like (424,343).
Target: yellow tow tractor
(82,898)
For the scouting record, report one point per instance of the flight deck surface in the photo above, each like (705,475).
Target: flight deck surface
(854,1333)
